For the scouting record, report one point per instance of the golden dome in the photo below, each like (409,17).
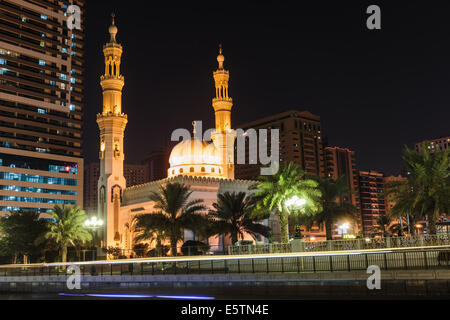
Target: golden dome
(194,157)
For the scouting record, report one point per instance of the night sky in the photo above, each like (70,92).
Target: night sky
(376,91)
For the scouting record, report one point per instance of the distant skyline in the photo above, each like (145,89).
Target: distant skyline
(376,91)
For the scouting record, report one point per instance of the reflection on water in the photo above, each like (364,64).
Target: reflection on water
(111,296)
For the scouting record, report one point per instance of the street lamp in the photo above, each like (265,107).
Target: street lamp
(344,229)
(295,202)
(94,224)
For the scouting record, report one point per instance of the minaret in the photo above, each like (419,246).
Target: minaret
(112,123)
(224,136)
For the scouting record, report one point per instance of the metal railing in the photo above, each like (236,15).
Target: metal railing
(386,259)
(342,245)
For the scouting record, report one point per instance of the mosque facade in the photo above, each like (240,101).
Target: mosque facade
(206,167)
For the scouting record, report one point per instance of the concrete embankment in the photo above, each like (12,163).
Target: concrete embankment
(401,284)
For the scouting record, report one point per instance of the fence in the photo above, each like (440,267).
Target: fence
(117,253)
(343,245)
(394,259)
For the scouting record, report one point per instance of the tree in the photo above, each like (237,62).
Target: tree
(382,226)
(399,229)
(176,212)
(68,228)
(152,229)
(233,215)
(334,207)
(19,232)
(426,193)
(276,191)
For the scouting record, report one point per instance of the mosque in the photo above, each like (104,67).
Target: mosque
(207,168)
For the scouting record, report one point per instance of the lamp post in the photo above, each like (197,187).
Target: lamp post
(94,224)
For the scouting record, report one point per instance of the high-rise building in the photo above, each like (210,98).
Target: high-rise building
(157,163)
(342,162)
(435,144)
(371,186)
(41,105)
(391,179)
(135,174)
(300,142)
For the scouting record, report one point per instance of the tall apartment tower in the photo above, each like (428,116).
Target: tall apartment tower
(157,163)
(300,142)
(135,174)
(41,105)
(371,186)
(342,162)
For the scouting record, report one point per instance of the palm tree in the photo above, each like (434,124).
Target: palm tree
(426,193)
(382,226)
(176,213)
(68,228)
(150,228)
(400,228)
(233,215)
(274,193)
(334,207)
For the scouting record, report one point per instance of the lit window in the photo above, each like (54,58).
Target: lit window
(72,80)
(42,62)
(64,50)
(43,17)
(3,61)
(63,77)
(42,111)
(72,107)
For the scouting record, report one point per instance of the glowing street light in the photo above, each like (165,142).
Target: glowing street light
(344,228)
(93,223)
(295,202)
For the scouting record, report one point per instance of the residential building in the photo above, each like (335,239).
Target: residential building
(41,105)
(157,163)
(435,144)
(135,174)
(371,187)
(300,142)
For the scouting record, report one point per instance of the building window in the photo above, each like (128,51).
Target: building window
(192,170)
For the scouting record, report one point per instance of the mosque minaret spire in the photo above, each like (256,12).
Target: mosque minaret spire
(224,136)
(112,123)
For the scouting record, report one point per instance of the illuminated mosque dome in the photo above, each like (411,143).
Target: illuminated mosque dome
(195,157)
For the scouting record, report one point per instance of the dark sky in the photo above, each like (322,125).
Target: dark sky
(376,91)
